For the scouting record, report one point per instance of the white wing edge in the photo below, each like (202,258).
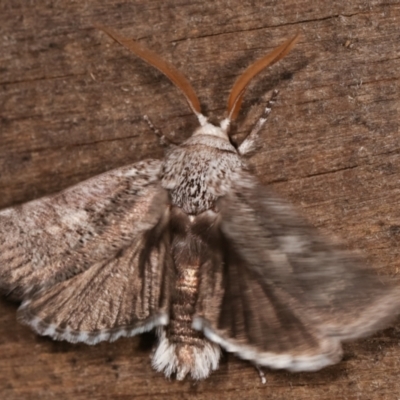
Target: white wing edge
(331,352)
(91,338)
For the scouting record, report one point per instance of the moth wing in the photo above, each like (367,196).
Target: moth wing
(91,262)
(52,239)
(121,296)
(279,293)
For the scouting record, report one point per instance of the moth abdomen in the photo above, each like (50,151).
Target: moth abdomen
(183,350)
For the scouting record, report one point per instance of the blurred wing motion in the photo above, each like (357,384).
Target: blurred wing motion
(90,263)
(279,294)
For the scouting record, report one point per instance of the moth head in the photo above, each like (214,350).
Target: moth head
(207,128)
(182,83)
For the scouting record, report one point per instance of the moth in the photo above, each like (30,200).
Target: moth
(195,248)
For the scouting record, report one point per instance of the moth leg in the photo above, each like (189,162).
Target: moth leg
(251,143)
(164,141)
(262,374)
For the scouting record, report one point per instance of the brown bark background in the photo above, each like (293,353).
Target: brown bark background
(71,106)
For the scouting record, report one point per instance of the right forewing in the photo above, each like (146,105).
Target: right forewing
(331,285)
(277,292)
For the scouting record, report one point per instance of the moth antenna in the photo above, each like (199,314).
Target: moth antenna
(176,77)
(238,89)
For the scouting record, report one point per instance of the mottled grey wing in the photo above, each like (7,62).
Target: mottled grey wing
(89,262)
(280,294)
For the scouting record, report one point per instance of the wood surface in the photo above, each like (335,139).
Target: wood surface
(71,106)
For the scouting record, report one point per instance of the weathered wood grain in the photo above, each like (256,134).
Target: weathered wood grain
(72,103)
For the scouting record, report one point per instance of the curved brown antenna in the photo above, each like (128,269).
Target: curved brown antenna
(177,78)
(237,92)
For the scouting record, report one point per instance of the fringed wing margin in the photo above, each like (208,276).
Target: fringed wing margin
(91,263)
(277,292)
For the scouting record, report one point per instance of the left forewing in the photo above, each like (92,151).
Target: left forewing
(54,238)
(91,263)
